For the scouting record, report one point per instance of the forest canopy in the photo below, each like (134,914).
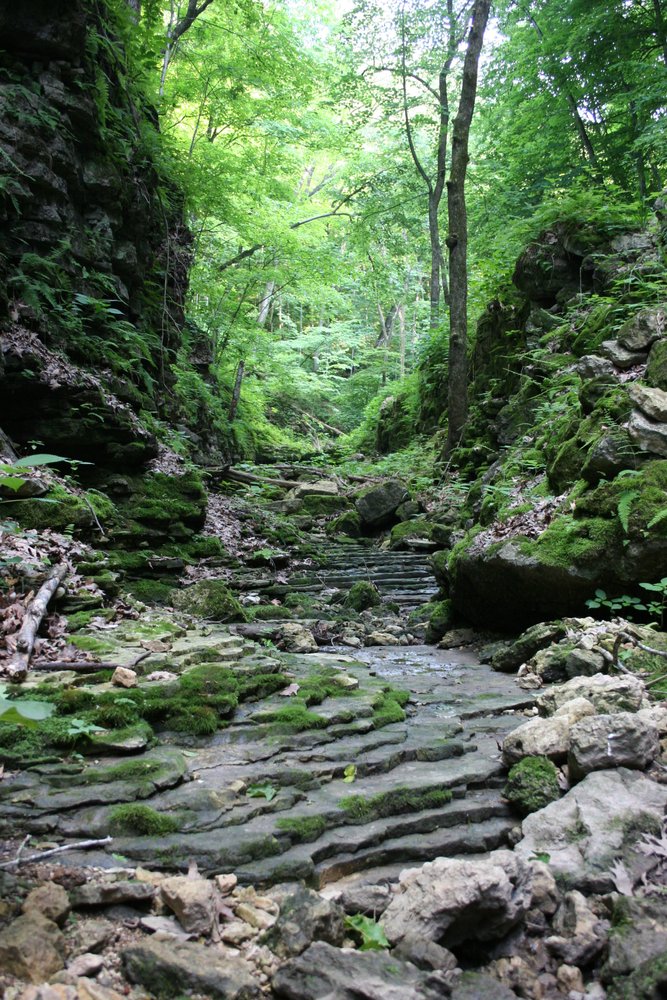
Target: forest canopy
(314,143)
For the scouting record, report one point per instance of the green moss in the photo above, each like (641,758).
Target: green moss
(167,499)
(646,982)
(268,612)
(302,829)
(64,508)
(656,369)
(151,591)
(648,487)
(126,771)
(81,619)
(210,599)
(568,541)
(196,720)
(347,523)
(293,718)
(532,784)
(439,621)
(323,506)
(141,820)
(388,707)
(90,644)
(261,686)
(360,809)
(362,595)
(439,561)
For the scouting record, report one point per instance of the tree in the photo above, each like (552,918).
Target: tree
(457,239)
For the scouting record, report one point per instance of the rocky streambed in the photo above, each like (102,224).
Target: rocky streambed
(339,822)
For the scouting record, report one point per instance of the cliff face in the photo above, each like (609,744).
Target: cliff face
(93,252)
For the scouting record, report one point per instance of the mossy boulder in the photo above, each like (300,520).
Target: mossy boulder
(439,620)
(377,504)
(210,599)
(60,507)
(439,565)
(323,506)
(422,533)
(347,523)
(532,784)
(656,369)
(361,596)
(159,499)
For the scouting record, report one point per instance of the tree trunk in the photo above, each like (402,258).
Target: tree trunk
(16,668)
(660,29)
(265,303)
(236,394)
(457,240)
(401,337)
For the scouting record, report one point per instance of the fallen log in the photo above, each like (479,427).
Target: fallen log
(86,666)
(19,663)
(248,477)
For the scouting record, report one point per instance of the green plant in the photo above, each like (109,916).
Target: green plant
(261,790)
(371,933)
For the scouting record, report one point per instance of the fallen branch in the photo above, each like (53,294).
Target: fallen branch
(82,845)
(249,477)
(19,663)
(642,646)
(86,666)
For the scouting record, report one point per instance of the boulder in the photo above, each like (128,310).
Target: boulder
(642,329)
(607,694)
(639,935)
(191,899)
(609,455)
(648,435)
(584,663)
(450,901)
(652,402)
(32,948)
(112,894)
(620,356)
(575,710)
(604,741)
(367,897)
(305,917)
(533,639)
(211,599)
(532,784)
(377,505)
(323,971)
(580,935)
(597,821)
(124,677)
(656,368)
(294,638)
(171,968)
(591,366)
(538,738)
(51,900)
(322,488)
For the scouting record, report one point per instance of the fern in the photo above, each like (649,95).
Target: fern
(625,502)
(658,519)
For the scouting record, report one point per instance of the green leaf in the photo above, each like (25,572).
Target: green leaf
(25,713)
(658,519)
(258,791)
(350,773)
(31,460)
(12,482)
(373,937)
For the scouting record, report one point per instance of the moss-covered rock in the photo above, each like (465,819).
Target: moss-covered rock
(210,599)
(440,620)
(656,369)
(532,784)
(160,499)
(347,523)
(63,508)
(439,565)
(362,595)
(417,530)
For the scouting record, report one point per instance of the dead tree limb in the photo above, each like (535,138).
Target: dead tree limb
(19,663)
(86,666)
(82,845)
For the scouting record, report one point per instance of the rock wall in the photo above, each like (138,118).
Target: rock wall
(565,453)
(93,251)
